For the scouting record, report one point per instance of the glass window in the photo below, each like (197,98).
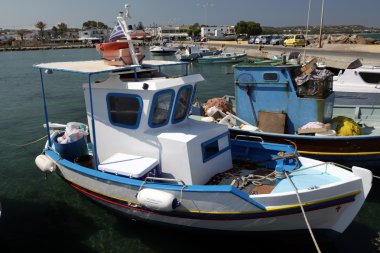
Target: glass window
(182,104)
(161,107)
(124,109)
(270,77)
(370,77)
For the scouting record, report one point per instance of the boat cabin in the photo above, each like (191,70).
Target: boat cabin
(280,97)
(138,123)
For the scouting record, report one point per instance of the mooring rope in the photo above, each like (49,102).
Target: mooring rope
(23,145)
(304,214)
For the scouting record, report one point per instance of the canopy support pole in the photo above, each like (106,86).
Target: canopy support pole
(95,153)
(45,108)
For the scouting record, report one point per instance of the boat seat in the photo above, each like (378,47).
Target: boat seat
(129,165)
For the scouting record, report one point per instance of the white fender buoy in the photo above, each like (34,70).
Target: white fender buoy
(157,200)
(45,164)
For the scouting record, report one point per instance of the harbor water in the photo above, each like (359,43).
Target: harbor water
(43,214)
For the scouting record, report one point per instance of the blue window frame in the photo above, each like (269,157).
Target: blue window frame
(182,104)
(161,108)
(124,110)
(215,146)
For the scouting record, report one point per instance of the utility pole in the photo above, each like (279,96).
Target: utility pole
(320,28)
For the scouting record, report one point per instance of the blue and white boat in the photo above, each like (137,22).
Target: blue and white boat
(142,156)
(224,57)
(193,52)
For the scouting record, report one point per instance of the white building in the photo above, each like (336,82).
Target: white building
(216,30)
(93,35)
(172,33)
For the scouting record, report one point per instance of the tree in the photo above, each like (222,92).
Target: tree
(62,29)
(194,30)
(248,27)
(91,24)
(54,32)
(21,33)
(41,25)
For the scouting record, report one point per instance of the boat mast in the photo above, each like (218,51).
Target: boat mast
(121,19)
(307,30)
(320,28)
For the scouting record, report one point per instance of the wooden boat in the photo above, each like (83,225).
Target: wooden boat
(111,46)
(267,95)
(224,57)
(142,156)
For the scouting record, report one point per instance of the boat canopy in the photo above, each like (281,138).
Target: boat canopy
(98,66)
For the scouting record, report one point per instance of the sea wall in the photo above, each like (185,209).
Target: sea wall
(333,55)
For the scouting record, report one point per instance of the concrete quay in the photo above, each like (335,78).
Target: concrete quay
(333,55)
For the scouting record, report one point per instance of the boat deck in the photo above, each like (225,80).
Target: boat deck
(247,177)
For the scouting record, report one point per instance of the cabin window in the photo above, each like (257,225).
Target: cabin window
(369,77)
(214,147)
(161,108)
(272,77)
(182,104)
(124,110)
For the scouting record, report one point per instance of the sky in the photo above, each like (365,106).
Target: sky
(24,14)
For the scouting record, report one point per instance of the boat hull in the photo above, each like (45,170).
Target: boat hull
(222,208)
(361,150)
(212,59)
(357,98)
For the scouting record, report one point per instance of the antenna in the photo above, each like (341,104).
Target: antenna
(127,32)
(126,7)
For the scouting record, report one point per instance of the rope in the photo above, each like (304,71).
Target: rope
(377,177)
(23,145)
(304,214)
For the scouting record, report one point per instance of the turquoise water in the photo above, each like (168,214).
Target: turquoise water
(46,215)
(370,35)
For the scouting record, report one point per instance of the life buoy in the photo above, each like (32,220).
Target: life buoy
(111,46)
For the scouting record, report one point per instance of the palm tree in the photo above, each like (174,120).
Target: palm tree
(62,29)
(21,33)
(41,25)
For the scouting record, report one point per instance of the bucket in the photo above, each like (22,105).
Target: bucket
(72,150)
(85,161)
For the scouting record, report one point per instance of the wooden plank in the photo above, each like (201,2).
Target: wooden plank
(272,122)
(309,67)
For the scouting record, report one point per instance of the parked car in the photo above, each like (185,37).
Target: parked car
(252,40)
(276,40)
(295,40)
(263,39)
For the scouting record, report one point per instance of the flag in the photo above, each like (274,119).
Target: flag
(117,33)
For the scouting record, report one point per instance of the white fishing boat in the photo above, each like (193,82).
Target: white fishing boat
(193,52)
(358,84)
(163,50)
(141,155)
(224,57)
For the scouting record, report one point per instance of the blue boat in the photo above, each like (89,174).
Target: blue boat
(268,96)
